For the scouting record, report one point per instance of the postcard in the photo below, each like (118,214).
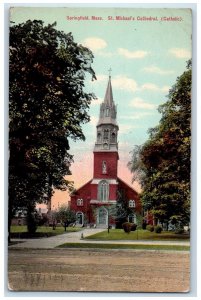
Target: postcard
(100,146)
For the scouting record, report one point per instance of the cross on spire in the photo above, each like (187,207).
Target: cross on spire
(110,70)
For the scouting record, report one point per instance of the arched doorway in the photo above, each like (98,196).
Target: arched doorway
(79,218)
(102,217)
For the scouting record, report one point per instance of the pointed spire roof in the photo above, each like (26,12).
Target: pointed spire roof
(108,108)
(108,95)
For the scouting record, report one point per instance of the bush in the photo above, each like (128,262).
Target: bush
(127,227)
(150,228)
(158,229)
(133,227)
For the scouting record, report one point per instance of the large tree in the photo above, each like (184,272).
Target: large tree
(47,106)
(162,164)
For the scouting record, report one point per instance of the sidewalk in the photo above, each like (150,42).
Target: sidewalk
(76,237)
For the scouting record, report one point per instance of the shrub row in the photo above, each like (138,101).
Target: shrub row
(156,229)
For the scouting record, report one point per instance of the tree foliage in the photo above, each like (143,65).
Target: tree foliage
(47,106)
(162,164)
(65,215)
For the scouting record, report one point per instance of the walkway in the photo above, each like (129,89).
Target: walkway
(76,237)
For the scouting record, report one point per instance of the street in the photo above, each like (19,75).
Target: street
(98,270)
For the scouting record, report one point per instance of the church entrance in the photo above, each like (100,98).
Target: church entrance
(102,218)
(79,218)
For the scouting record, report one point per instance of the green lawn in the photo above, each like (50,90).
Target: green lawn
(45,229)
(122,246)
(21,231)
(119,234)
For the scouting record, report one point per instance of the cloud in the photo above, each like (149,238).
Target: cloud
(180,53)
(124,83)
(93,121)
(95,44)
(150,86)
(127,128)
(136,116)
(157,70)
(119,82)
(140,103)
(98,46)
(165,89)
(155,88)
(132,54)
(98,101)
(101,77)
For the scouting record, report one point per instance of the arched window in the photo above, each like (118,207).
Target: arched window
(131,203)
(113,137)
(106,134)
(99,137)
(107,112)
(132,218)
(79,202)
(103,191)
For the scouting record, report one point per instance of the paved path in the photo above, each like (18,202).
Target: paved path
(76,237)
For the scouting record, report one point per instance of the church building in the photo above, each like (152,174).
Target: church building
(106,199)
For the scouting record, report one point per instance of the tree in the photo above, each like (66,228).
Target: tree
(47,106)
(162,164)
(65,215)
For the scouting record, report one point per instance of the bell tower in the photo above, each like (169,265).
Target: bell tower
(106,145)
(107,128)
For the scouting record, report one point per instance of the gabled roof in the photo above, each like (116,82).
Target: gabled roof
(76,190)
(119,179)
(127,185)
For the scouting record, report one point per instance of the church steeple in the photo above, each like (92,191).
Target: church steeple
(108,100)
(107,127)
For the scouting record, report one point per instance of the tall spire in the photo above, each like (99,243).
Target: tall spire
(107,127)
(108,95)
(108,108)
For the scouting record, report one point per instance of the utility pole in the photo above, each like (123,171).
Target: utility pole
(108,218)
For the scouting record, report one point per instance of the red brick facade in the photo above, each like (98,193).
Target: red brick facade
(85,200)
(106,198)
(111,159)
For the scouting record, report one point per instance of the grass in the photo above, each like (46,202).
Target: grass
(119,234)
(59,229)
(124,246)
(21,231)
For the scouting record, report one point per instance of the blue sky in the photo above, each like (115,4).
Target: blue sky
(145,56)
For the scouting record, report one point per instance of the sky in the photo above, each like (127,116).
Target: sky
(146,51)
